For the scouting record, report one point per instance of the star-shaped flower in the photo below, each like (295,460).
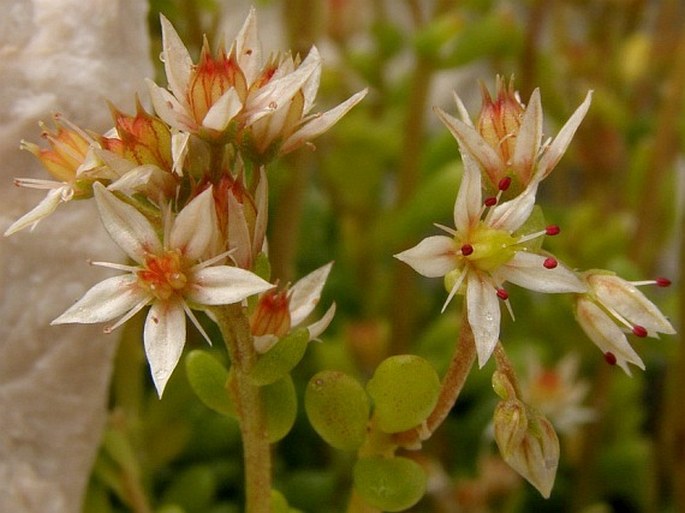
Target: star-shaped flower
(507,139)
(483,251)
(172,275)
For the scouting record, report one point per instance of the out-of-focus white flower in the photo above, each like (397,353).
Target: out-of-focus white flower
(483,252)
(613,306)
(171,275)
(279,312)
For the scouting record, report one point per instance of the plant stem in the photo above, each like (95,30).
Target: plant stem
(235,330)
(452,384)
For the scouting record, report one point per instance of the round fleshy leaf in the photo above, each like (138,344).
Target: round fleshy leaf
(280,359)
(207,377)
(338,409)
(280,405)
(404,390)
(389,484)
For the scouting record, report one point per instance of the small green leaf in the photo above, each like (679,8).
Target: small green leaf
(338,409)
(389,484)
(405,390)
(280,404)
(280,359)
(207,377)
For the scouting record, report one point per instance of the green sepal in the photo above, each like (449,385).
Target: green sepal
(280,359)
(280,406)
(338,409)
(208,379)
(389,484)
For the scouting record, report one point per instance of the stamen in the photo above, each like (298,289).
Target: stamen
(639,331)
(466,249)
(552,229)
(490,202)
(504,183)
(662,282)
(610,358)
(550,263)
(502,294)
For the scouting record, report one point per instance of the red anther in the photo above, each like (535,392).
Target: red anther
(504,183)
(490,202)
(663,282)
(552,229)
(502,294)
(466,249)
(610,358)
(550,263)
(639,331)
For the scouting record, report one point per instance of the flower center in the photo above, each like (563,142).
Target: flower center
(163,274)
(487,248)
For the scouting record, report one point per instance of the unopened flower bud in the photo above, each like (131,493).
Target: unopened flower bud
(272,315)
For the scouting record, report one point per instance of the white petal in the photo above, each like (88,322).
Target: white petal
(168,108)
(471,142)
(223,111)
(468,205)
(511,215)
(164,337)
(317,328)
(262,206)
(129,228)
(305,294)
(320,123)
(248,48)
(606,334)
(432,257)
(177,61)
(194,227)
(46,207)
(105,301)
(239,233)
(179,150)
(262,343)
(463,113)
(558,147)
(224,285)
(629,302)
(484,315)
(529,137)
(311,86)
(527,270)
(148,179)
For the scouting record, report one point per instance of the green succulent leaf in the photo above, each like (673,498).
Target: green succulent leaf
(280,359)
(208,377)
(280,404)
(389,484)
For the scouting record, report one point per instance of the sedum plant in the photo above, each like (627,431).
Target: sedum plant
(184,192)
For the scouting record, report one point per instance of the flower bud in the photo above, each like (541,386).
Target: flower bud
(528,443)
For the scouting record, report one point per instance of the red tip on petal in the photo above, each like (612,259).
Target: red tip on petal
(610,358)
(552,229)
(663,282)
(639,331)
(504,183)
(466,249)
(502,294)
(550,263)
(490,202)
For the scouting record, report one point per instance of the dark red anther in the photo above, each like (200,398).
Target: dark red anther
(639,331)
(550,263)
(490,202)
(610,358)
(552,229)
(504,183)
(502,294)
(466,249)
(663,282)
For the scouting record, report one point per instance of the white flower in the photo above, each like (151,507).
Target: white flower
(613,306)
(171,275)
(483,252)
(279,312)
(508,139)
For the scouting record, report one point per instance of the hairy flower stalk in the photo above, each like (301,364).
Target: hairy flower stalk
(484,251)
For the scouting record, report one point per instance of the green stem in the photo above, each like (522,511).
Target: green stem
(235,330)
(452,384)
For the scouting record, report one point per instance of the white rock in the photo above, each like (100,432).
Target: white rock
(63,56)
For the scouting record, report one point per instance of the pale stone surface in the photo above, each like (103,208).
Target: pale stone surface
(56,56)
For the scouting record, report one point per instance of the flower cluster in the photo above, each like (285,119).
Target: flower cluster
(183,191)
